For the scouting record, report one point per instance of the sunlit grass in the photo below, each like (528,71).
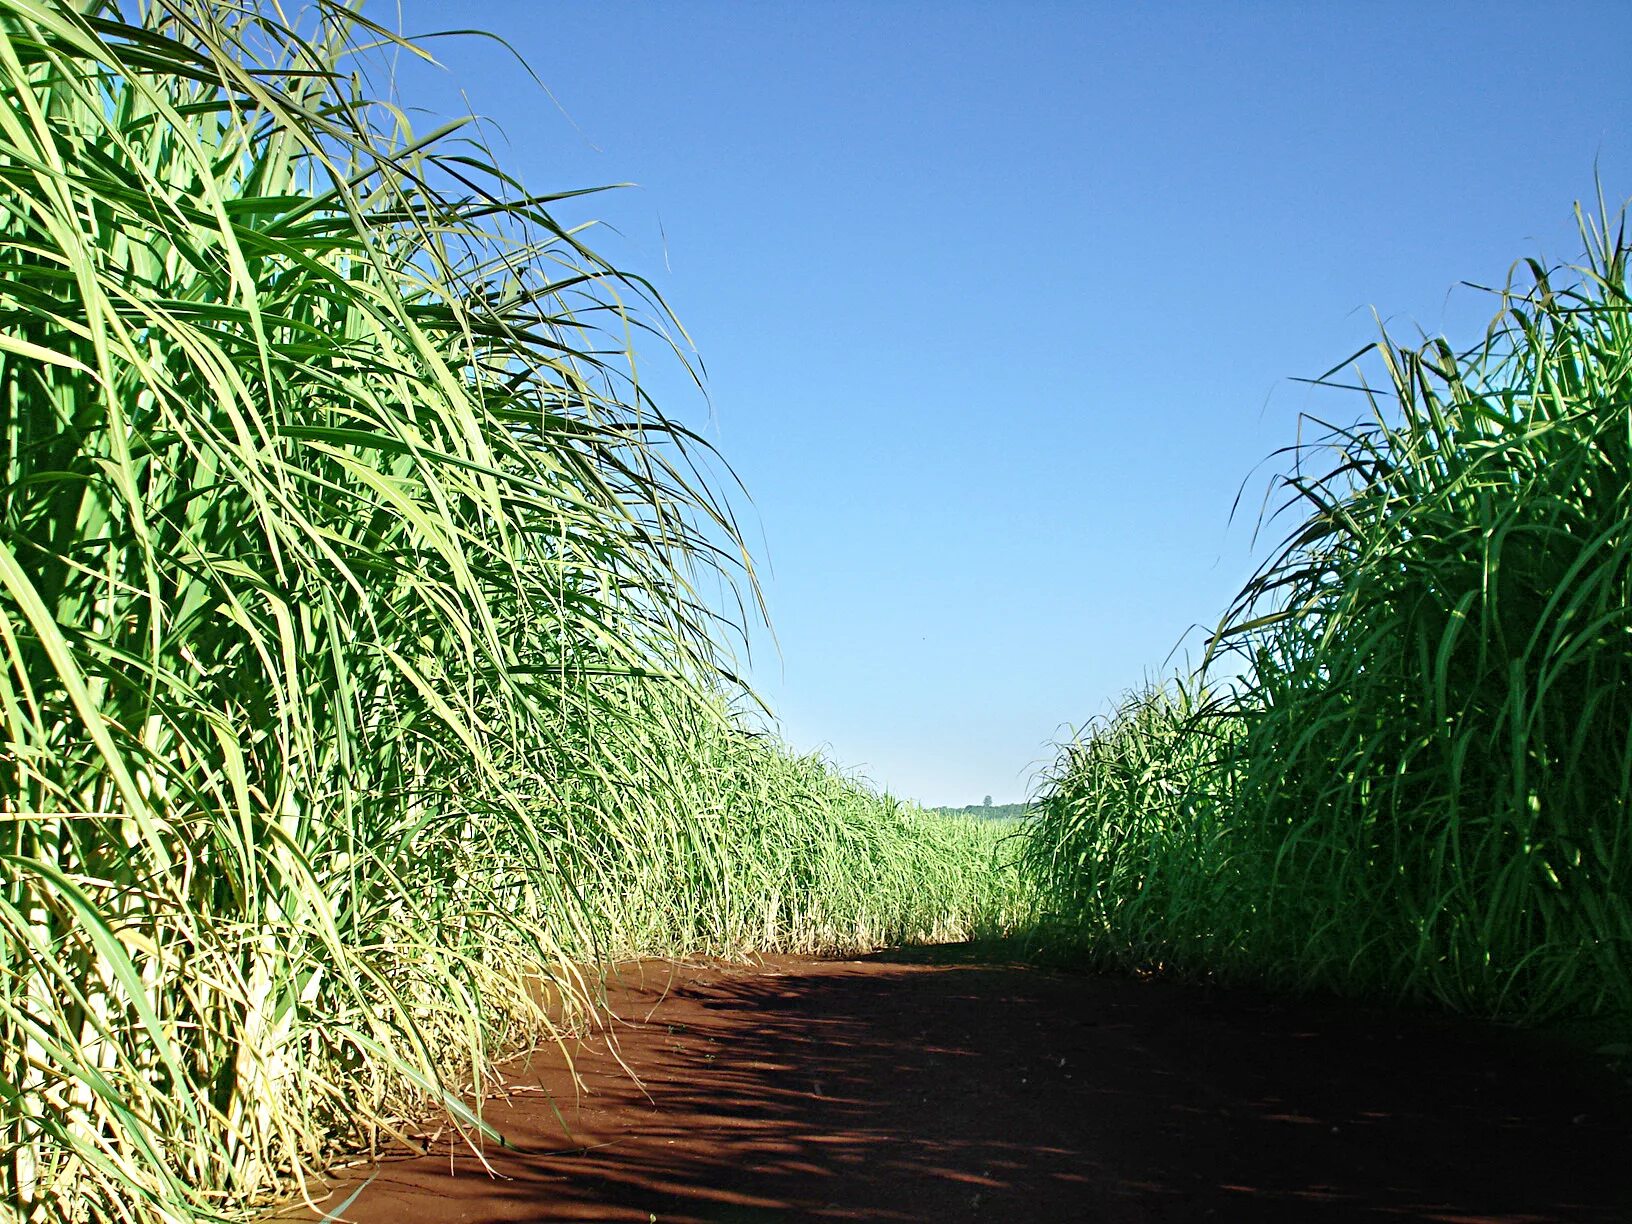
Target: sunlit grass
(357,692)
(1417,777)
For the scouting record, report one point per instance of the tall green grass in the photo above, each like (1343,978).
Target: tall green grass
(747,846)
(1413,772)
(1130,853)
(357,692)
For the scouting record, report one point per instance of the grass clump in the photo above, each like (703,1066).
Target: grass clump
(1127,853)
(356,690)
(738,844)
(1413,772)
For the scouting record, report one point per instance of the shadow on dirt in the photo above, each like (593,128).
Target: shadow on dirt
(923,1085)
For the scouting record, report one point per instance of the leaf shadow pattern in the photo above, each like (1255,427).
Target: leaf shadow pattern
(931,1088)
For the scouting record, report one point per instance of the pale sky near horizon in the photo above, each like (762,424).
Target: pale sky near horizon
(1000,305)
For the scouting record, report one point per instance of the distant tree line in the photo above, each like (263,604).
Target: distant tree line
(987,810)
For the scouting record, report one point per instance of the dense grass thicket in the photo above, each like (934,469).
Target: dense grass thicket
(746,845)
(361,696)
(357,692)
(1406,768)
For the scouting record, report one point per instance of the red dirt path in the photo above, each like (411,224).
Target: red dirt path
(894,1089)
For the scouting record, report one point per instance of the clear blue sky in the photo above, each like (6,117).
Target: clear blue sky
(1000,304)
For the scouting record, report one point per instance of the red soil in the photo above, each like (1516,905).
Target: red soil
(894,1089)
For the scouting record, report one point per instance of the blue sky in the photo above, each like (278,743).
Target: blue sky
(999,305)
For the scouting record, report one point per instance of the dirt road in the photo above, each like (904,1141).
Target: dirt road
(895,1089)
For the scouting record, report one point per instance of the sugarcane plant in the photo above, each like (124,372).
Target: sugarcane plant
(1406,766)
(326,503)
